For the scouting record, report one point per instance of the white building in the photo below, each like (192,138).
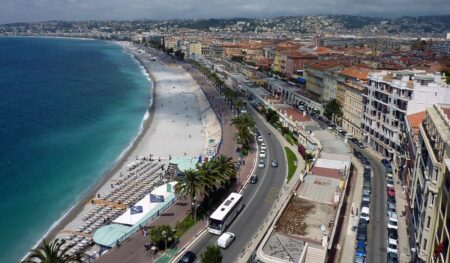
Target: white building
(389,97)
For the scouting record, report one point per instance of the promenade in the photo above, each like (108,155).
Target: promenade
(133,249)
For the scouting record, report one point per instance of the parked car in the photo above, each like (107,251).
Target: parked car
(360,247)
(366,196)
(365,205)
(260,138)
(392,247)
(362,235)
(360,259)
(391,192)
(392,224)
(188,257)
(391,199)
(274,163)
(362,225)
(253,179)
(262,154)
(365,214)
(385,162)
(361,145)
(261,163)
(360,252)
(367,185)
(392,214)
(225,239)
(391,207)
(389,175)
(392,234)
(389,182)
(263,146)
(392,257)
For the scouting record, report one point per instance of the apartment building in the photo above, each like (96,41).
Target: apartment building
(388,98)
(195,49)
(292,61)
(350,95)
(433,138)
(438,128)
(321,78)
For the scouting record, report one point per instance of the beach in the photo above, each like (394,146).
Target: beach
(179,123)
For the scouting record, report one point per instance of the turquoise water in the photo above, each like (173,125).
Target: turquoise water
(68,108)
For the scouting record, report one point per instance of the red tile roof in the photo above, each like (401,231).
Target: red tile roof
(358,73)
(415,120)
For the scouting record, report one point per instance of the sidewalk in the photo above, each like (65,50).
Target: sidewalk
(347,241)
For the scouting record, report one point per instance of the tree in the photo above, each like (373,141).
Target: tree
(225,166)
(212,254)
(162,236)
(245,125)
(239,104)
(333,107)
(192,184)
(52,253)
(272,116)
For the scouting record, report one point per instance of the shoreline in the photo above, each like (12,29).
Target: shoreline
(78,207)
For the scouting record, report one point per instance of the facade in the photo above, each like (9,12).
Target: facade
(439,125)
(293,60)
(388,98)
(349,94)
(434,133)
(321,79)
(195,49)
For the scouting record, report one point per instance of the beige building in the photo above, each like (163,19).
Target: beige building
(195,49)
(349,94)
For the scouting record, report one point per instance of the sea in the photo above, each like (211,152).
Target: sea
(68,110)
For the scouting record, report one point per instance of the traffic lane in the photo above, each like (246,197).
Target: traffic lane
(377,229)
(261,202)
(246,223)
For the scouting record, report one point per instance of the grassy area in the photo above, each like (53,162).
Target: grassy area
(183,226)
(292,162)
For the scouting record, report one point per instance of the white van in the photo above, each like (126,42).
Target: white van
(365,214)
(225,239)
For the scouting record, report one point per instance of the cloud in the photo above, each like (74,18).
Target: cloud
(39,10)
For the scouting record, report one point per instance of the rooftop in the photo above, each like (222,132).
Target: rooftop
(357,73)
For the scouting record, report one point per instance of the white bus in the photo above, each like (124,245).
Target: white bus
(225,214)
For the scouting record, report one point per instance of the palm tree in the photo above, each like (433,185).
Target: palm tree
(239,104)
(244,121)
(210,170)
(225,166)
(191,185)
(52,253)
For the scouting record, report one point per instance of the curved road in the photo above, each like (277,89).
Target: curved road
(258,199)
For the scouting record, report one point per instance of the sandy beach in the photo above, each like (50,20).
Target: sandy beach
(181,123)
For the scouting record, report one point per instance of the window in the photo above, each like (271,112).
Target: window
(428,221)
(424,244)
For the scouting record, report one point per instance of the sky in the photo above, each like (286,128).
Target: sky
(41,10)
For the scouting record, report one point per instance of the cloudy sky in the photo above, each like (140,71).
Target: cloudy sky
(39,10)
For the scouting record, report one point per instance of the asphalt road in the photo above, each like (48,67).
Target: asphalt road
(258,199)
(377,229)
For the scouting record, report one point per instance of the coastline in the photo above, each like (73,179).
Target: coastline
(78,207)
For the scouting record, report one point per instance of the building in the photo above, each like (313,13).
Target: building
(388,98)
(321,79)
(292,61)
(195,49)
(350,94)
(437,125)
(433,138)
